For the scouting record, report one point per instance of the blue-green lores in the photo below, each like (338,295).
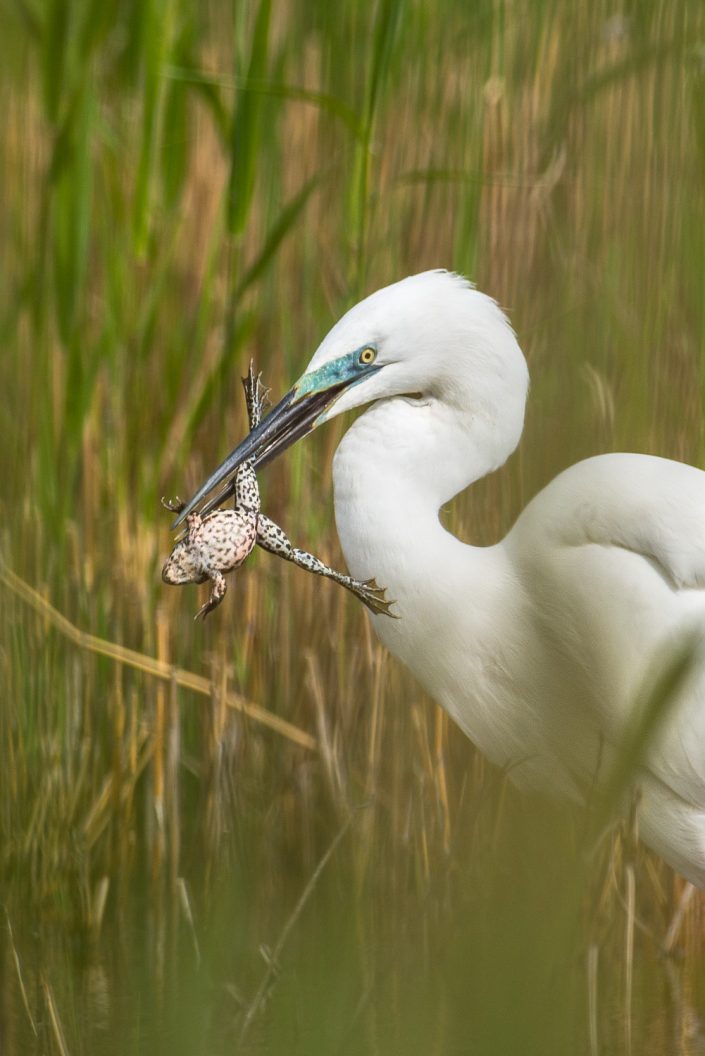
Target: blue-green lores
(347,370)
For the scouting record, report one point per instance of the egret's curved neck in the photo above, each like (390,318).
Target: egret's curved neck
(394,468)
(398,464)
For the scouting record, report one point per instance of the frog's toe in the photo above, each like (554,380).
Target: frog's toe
(174,505)
(170,573)
(374,597)
(256,395)
(216,596)
(211,604)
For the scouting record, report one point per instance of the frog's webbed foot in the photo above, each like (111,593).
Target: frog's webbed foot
(255,396)
(373,596)
(174,505)
(217,594)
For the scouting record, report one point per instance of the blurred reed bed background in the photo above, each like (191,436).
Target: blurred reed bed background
(257,834)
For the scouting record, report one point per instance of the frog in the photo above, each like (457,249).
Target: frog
(217,543)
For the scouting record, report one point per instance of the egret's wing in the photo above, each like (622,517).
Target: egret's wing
(650,506)
(613,555)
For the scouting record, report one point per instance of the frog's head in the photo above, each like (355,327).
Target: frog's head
(183,565)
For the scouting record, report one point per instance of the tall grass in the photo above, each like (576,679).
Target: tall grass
(185,187)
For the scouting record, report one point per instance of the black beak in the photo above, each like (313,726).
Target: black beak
(292,418)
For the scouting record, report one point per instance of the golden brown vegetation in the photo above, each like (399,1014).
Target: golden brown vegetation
(185,186)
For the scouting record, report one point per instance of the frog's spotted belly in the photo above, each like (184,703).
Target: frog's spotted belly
(214,544)
(225,539)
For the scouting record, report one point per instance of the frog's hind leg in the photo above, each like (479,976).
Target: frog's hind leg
(218,589)
(255,396)
(272,538)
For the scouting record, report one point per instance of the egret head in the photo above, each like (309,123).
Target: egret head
(431,335)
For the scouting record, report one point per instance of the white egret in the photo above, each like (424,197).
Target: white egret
(538,646)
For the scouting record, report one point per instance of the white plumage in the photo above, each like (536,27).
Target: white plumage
(539,646)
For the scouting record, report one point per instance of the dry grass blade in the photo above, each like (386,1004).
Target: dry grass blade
(629,957)
(54,1019)
(659,694)
(328,752)
(674,927)
(98,816)
(274,955)
(149,664)
(592,967)
(185,903)
(20,979)
(98,903)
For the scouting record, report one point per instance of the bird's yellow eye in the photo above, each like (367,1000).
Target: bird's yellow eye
(368,355)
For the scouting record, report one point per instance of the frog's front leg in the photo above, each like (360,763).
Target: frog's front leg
(218,589)
(272,538)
